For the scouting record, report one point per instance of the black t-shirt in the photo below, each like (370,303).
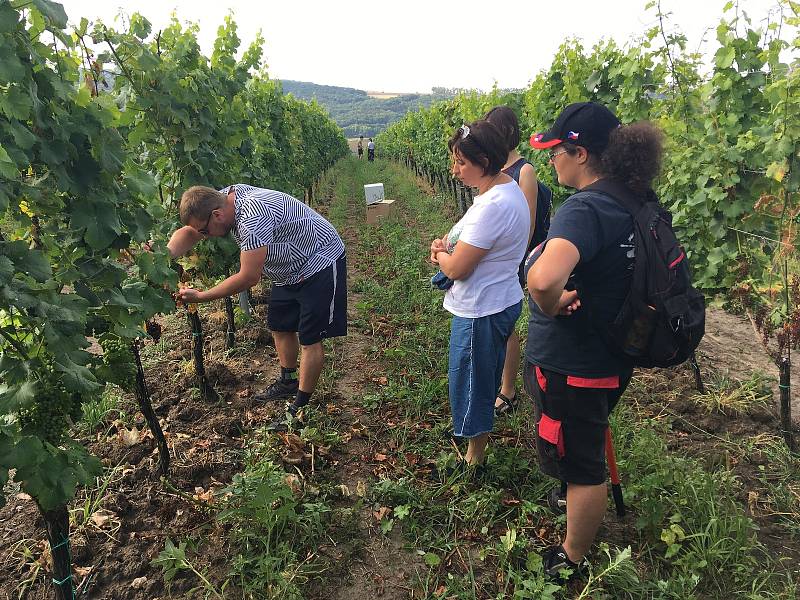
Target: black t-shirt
(602,231)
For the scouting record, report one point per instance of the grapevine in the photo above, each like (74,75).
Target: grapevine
(54,410)
(118,364)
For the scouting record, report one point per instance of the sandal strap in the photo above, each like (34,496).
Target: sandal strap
(505,399)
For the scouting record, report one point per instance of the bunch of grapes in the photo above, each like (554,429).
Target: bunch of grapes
(153,330)
(118,362)
(53,410)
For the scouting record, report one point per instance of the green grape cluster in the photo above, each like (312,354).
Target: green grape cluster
(118,361)
(54,408)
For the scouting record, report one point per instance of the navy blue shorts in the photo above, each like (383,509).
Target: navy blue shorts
(315,308)
(477,354)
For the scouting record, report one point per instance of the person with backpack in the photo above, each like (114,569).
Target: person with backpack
(539,200)
(579,281)
(485,297)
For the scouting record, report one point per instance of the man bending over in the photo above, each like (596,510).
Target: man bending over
(295,247)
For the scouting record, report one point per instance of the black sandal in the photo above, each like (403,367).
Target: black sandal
(507,405)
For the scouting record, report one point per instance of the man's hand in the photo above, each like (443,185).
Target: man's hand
(568,303)
(190,295)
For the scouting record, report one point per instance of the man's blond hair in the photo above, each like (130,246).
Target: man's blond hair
(198,201)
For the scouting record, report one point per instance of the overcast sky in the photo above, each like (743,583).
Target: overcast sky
(412,45)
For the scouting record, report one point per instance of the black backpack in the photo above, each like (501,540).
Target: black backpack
(544,202)
(662,320)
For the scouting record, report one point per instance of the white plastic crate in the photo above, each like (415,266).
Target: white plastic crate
(373,192)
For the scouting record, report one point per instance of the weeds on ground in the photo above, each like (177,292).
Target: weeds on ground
(101,410)
(729,397)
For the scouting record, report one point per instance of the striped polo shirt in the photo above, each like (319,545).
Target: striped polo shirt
(300,242)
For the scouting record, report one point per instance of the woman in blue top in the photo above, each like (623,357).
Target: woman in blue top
(579,278)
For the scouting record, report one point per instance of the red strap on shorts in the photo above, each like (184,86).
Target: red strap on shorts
(600,383)
(540,378)
(550,431)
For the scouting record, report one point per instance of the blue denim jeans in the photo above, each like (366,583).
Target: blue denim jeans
(477,354)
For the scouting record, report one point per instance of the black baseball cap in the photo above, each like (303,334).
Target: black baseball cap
(586,124)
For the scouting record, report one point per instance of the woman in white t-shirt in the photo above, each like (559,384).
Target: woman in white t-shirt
(485,298)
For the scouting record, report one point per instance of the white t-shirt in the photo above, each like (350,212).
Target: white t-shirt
(498,221)
(371,146)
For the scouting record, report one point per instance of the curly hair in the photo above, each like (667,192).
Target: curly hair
(633,155)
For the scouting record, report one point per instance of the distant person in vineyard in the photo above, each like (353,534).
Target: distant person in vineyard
(371,150)
(523,172)
(578,279)
(485,298)
(360,147)
(298,250)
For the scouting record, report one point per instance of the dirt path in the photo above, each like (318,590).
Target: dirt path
(382,568)
(732,348)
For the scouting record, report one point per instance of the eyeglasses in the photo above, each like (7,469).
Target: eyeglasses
(204,230)
(552,155)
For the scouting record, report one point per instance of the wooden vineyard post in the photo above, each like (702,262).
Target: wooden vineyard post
(786,403)
(462,203)
(230,334)
(146,406)
(207,391)
(57,523)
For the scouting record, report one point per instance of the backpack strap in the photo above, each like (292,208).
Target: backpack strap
(618,191)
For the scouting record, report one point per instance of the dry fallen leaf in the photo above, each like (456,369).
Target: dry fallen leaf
(202,495)
(295,442)
(381,513)
(129,437)
(752,501)
(81,571)
(101,518)
(361,489)
(293,481)
(380,457)
(345,490)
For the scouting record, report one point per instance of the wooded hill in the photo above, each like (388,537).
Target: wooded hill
(356,112)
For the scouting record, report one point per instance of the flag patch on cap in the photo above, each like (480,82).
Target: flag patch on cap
(572,135)
(538,137)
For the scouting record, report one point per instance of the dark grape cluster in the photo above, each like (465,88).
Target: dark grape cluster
(118,361)
(153,330)
(54,407)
